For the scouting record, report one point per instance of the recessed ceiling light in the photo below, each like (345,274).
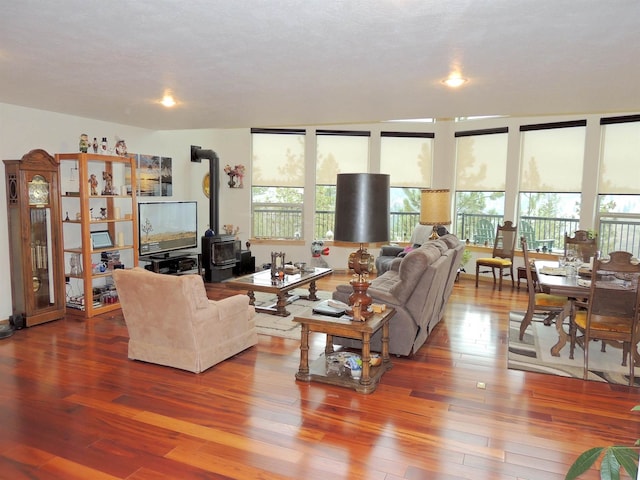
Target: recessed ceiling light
(454,81)
(168,101)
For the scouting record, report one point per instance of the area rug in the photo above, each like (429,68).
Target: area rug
(285,327)
(533,354)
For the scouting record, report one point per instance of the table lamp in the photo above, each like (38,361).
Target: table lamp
(362,216)
(435,209)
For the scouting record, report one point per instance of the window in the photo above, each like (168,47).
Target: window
(618,186)
(277,191)
(408,159)
(337,152)
(551,161)
(481,169)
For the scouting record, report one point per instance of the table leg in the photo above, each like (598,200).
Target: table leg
(303,370)
(386,361)
(281,306)
(562,335)
(365,380)
(328,347)
(573,329)
(312,291)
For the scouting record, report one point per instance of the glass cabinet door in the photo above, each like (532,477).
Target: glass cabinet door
(41,258)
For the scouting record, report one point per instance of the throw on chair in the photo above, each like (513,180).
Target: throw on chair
(502,259)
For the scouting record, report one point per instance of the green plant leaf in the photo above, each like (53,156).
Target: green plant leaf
(628,458)
(583,463)
(609,468)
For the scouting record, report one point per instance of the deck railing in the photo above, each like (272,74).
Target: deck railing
(616,232)
(277,220)
(620,232)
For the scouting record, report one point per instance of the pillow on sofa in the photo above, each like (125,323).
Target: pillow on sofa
(407,250)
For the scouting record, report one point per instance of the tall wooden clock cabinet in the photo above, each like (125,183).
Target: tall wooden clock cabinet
(35,239)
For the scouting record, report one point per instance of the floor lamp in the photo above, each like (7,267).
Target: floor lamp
(362,216)
(435,209)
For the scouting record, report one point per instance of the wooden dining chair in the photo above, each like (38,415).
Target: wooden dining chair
(584,246)
(612,310)
(502,259)
(551,305)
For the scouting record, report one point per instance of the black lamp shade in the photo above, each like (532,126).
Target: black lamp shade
(362,208)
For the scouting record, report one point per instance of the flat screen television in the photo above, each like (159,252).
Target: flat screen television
(165,227)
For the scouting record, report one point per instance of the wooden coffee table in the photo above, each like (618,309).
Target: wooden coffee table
(262,282)
(344,327)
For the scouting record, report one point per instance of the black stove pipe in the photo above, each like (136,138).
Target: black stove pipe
(197,154)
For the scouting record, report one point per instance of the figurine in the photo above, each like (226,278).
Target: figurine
(95,145)
(317,251)
(93,181)
(121,148)
(229,230)
(108,183)
(84,143)
(103,213)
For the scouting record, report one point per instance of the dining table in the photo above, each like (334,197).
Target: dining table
(553,279)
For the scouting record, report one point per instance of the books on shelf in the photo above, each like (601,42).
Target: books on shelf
(78,303)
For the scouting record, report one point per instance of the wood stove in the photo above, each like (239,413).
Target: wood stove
(218,251)
(219,257)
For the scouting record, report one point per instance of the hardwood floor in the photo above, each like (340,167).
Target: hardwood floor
(74,407)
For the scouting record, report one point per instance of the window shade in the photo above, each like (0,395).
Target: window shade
(620,158)
(340,153)
(407,159)
(481,162)
(552,159)
(278,159)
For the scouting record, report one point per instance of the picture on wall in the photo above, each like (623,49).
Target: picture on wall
(154,175)
(166,177)
(148,175)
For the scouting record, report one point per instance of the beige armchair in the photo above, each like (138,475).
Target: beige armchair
(172,322)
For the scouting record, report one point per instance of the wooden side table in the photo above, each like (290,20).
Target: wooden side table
(344,327)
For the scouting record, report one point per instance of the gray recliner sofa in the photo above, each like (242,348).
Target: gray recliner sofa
(388,253)
(418,287)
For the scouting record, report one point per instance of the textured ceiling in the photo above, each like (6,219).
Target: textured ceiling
(249,63)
